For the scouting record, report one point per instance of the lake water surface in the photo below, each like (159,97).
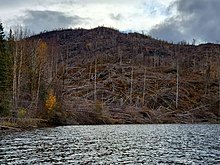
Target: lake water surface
(113,144)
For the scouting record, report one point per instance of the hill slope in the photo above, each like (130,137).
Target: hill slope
(105,76)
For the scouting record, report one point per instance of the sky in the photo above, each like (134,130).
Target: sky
(170,20)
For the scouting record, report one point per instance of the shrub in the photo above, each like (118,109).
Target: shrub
(51,102)
(22,112)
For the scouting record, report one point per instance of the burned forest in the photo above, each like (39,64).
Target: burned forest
(104,76)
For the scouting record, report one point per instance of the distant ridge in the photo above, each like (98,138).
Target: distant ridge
(112,77)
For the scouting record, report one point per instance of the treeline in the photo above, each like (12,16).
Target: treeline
(28,76)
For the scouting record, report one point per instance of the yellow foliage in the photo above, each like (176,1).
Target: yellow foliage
(41,51)
(50,102)
(42,47)
(22,112)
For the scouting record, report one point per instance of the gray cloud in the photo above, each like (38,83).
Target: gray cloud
(98,1)
(195,19)
(9,4)
(116,17)
(14,3)
(48,20)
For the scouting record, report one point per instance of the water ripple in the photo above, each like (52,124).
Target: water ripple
(114,144)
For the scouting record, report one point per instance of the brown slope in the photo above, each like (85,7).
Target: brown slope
(104,72)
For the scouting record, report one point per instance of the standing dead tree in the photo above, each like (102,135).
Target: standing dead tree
(177,80)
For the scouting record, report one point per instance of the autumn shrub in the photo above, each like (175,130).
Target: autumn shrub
(22,112)
(50,102)
(53,114)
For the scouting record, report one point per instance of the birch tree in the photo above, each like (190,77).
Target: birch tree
(41,60)
(17,66)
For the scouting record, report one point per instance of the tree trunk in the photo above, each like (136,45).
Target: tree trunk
(131,89)
(177,81)
(15,101)
(95,97)
(19,74)
(144,87)
(219,83)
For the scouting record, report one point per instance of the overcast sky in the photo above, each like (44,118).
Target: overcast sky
(172,20)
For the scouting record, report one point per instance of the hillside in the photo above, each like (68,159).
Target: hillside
(105,76)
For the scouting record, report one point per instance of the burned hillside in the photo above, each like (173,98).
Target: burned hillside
(105,76)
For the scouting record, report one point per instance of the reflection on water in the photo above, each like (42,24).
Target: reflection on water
(113,144)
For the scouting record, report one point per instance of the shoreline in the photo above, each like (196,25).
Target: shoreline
(17,128)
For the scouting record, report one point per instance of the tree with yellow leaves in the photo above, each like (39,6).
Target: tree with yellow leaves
(41,60)
(50,102)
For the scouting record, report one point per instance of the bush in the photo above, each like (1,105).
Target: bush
(51,102)
(22,112)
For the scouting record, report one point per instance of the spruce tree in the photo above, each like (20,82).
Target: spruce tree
(4,75)
(3,61)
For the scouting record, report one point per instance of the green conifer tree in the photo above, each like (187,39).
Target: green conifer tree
(3,62)
(5,69)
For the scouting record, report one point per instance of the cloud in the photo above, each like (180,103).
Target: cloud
(10,4)
(49,20)
(50,14)
(116,17)
(99,1)
(13,3)
(194,19)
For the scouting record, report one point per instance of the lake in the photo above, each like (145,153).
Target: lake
(113,144)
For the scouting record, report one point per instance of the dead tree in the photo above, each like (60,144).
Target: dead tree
(131,85)
(177,80)
(219,81)
(95,92)
(144,86)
